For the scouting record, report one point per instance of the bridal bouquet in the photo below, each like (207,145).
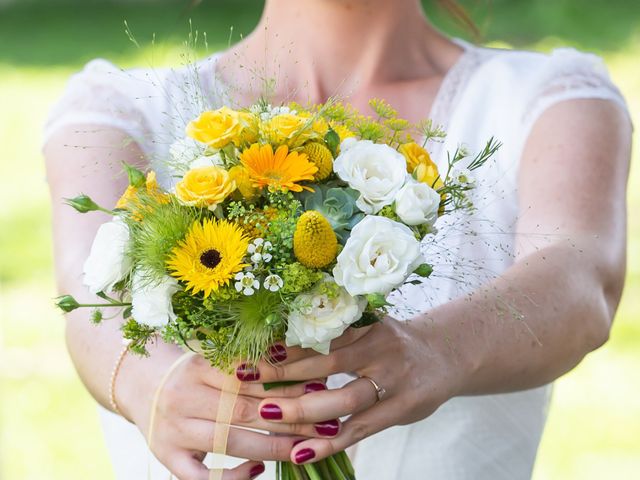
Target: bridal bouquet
(286,224)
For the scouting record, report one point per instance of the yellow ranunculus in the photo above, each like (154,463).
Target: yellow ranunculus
(217,128)
(419,163)
(428,174)
(205,187)
(415,155)
(244,185)
(287,129)
(129,198)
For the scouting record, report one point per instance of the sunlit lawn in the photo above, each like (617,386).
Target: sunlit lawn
(48,425)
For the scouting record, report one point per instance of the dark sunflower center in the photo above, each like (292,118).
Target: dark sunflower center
(210,258)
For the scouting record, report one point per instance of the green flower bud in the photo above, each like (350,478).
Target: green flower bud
(424,270)
(67,303)
(136,177)
(82,204)
(273,320)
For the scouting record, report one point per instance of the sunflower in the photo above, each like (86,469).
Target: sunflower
(281,170)
(209,256)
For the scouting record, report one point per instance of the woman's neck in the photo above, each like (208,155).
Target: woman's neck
(338,47)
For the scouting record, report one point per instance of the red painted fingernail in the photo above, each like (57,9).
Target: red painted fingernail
(327,429)
(277,353)
(304,455)
(271,412)
(314,387)
(257,470)
(247,373)
(298,441)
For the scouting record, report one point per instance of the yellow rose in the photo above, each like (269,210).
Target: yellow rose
(205,187)
(217,128)
(245,186)
(287,129)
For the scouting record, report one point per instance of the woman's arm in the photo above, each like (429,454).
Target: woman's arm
(91,163)
(531,325)
(557,303)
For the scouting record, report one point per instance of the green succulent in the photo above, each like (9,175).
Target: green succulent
(337,204)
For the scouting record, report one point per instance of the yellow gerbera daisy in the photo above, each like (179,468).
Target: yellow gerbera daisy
(209,256)
(281,170)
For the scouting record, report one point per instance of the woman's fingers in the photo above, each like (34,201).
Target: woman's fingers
(198,435)
(188,466)
(319,407)
(357,428)
(346,359)
(204,405)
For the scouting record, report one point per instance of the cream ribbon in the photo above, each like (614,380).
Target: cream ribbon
(226,404)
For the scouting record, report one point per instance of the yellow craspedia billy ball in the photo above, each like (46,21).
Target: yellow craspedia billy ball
(314,242)
(321,157)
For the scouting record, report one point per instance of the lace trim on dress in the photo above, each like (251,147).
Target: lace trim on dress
(452,86)
(571,75)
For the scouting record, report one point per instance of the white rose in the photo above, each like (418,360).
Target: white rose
(375,171)
(417,204)
(322,315)
(108,262)
(379,256)
(151,302)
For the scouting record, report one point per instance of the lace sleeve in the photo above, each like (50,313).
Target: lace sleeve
(568,75)
(101,94)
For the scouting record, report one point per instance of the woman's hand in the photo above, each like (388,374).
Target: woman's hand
(414,372)
(184,424)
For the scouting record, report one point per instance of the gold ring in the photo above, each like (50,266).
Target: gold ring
(380,391)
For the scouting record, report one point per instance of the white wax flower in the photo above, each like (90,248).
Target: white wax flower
(246,283)
(375,171)
(273,283)
(379,256)
(259,251)
(417,204)
(108,262)
(151,302)
(322,315)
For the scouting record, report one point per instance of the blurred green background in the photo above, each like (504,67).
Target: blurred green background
(48,423)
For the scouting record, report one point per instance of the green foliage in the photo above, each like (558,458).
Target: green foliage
(139,335)
(298,278)
(164,225)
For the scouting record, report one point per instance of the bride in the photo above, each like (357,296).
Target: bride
(466,381)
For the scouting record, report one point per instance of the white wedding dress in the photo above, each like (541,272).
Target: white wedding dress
(487,93)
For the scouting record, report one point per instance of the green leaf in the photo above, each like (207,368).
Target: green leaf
(272,385)
(377,300)
(368,318)
(136,177)
(332,139)
(424,270)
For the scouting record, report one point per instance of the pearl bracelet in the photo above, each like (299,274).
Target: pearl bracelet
(114,375)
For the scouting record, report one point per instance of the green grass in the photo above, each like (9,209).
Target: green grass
(49,427)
